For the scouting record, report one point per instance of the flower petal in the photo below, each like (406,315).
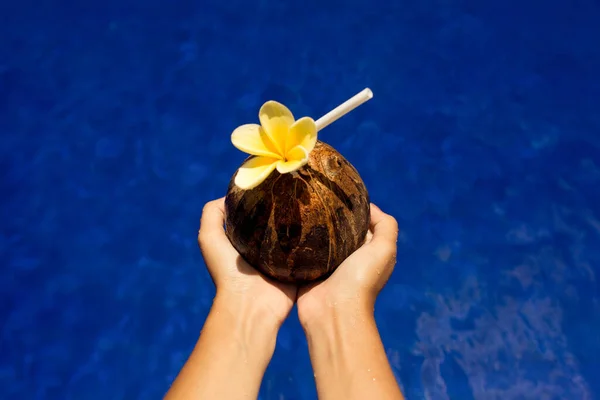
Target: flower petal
(276,119)
(298,153)
(254,171)
(252,139)
(283,167)
(297,158)
(303,133)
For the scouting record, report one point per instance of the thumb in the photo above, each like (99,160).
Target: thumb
(380,252)
(212,239)
(385,231)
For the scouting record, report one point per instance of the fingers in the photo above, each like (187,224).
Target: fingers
(382,249)
(384,227)
(213,216)
(369,236)
(211,224)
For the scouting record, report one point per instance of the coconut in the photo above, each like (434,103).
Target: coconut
(300,226)
(296,208)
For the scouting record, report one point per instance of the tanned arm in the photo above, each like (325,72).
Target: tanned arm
(231,355)
(348,357)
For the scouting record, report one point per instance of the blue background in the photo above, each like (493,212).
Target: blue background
(483,140)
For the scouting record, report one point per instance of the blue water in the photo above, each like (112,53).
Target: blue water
(483,140)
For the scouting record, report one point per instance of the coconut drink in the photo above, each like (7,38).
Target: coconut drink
(295,208)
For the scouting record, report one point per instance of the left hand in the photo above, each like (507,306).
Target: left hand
(236,281)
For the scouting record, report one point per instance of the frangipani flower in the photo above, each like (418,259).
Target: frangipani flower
(279,142)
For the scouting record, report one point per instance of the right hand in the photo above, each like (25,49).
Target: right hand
(356,283)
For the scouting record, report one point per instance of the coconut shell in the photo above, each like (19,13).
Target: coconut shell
(299,227)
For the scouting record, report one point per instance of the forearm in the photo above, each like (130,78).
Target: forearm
(230,357)
(349,359)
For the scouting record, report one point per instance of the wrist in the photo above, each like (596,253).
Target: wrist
(246,326)
(339,313)
(265,308)
(345,310)
(247,309)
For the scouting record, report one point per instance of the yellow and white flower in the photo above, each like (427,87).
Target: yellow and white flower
(279,142)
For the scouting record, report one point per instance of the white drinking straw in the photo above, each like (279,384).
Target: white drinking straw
(344,108)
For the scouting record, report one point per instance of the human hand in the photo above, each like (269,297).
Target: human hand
(337,315)
(238,338)
(238,284)
(356,283)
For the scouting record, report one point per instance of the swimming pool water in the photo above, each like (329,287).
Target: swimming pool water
(483,140)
